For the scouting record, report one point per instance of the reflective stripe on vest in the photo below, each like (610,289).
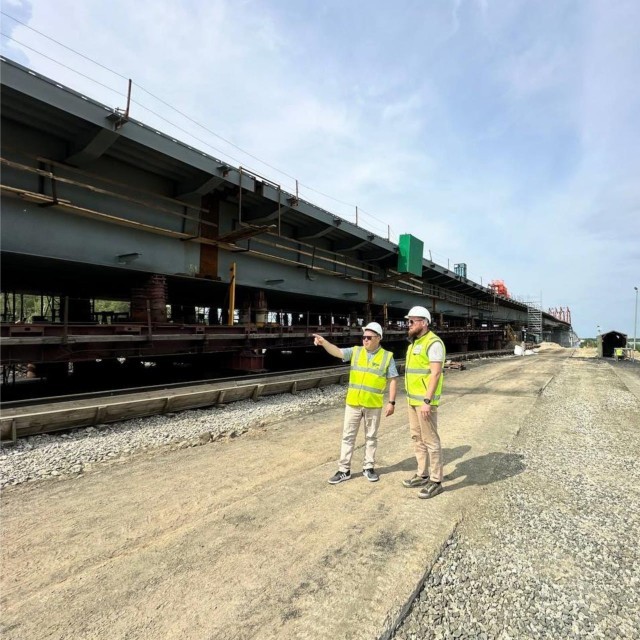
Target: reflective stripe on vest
(368,378)
(417,371)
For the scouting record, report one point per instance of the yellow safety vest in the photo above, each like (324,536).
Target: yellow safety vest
(368,378)
(417,370)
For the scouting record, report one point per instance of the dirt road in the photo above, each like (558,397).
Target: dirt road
(244,538)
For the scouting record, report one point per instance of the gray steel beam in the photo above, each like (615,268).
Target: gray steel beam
(42,89)
(198,187)
(134,143)
(381,256)
(353,247)
(93,148)
(317,233)
(262,217)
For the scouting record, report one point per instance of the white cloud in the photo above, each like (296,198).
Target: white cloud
(505,135)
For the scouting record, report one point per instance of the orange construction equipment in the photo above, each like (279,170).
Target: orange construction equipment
(499,288)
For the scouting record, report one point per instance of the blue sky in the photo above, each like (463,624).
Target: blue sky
(503,134)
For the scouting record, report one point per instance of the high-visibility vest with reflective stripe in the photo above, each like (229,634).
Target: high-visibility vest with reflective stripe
(368,378)
(417,371)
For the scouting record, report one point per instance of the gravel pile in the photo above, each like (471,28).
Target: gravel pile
(552,552)
(38,457)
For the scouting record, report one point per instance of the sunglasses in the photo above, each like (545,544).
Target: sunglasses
(369,337)
(414,321)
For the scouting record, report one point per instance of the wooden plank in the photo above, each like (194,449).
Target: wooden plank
(194,400)
(274,388)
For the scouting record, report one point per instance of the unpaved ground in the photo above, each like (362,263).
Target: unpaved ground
(245,538)
(552,552)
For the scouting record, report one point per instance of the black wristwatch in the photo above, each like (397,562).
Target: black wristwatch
(393,402)
(427,400)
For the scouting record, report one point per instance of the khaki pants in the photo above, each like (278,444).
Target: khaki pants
(352,418)
(426,443)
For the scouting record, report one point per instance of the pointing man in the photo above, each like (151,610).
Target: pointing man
(371,367)
(423,378)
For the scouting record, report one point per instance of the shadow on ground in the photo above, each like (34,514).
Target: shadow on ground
(485,469)
(409,464)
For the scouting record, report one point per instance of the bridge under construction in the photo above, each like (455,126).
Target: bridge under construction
(212,259)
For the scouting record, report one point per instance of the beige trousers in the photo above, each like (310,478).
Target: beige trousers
(426,443)
(352,418)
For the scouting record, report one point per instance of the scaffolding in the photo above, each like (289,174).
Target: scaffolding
(534,320)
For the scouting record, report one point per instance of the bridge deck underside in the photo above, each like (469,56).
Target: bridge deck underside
(74,343)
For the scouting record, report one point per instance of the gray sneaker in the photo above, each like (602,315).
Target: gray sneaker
(432,490)
(370,475)
(415,481)
(340,476)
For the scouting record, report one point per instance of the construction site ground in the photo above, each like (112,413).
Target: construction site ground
(244,538)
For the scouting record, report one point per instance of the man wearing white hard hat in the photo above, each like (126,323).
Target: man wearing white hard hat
(423,379)
(371,367)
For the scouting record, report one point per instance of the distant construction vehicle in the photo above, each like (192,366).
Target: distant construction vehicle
(499,288)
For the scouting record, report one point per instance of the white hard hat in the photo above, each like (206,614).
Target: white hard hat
(419,312)
(374,326)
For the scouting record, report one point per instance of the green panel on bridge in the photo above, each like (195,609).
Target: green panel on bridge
(410,250)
